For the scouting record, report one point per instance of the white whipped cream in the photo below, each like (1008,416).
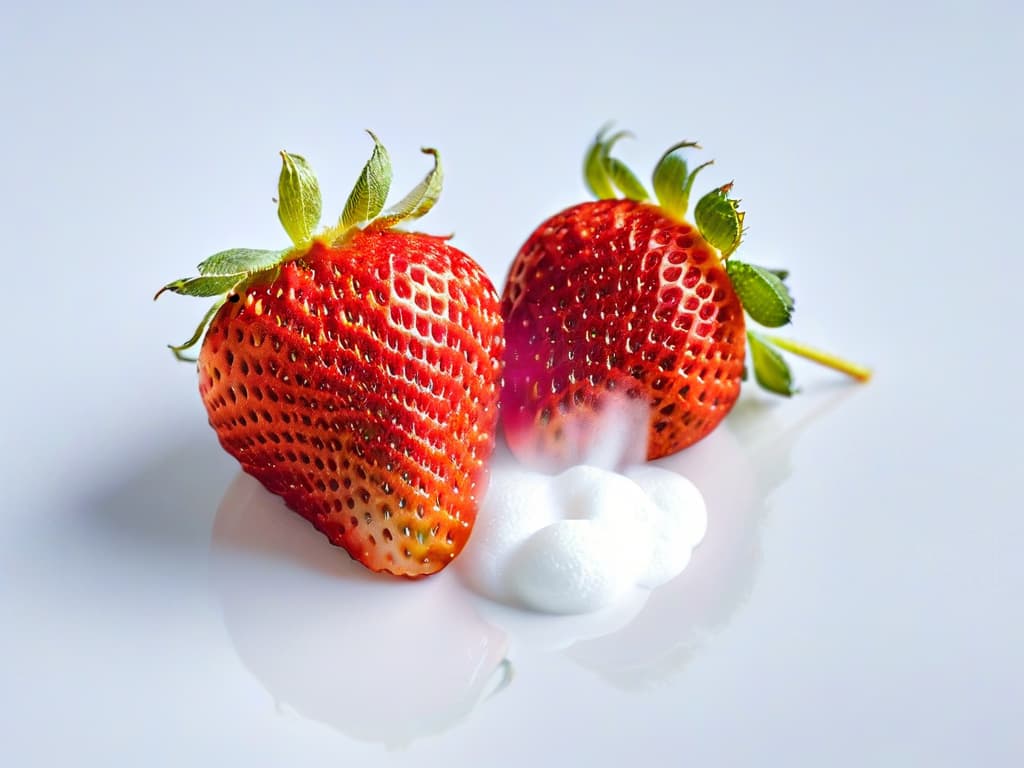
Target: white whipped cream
(576,542)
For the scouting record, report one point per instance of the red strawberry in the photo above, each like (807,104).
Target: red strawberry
(356,374)
(622,300)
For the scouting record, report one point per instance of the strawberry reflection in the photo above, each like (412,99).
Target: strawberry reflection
(381,659)
(736,468)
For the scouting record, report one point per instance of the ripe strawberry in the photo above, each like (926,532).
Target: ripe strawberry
(623,301)
(356,374)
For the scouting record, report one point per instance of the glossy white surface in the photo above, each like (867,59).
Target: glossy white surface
(857,598)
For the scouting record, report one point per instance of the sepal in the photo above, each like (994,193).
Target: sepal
(298,199)
(762,293)
(720,220)
(371,190)
(770,369)
(420,199)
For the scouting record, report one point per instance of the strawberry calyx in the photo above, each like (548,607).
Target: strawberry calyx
(227,274)
(720,220)
(673,179)
(762,291)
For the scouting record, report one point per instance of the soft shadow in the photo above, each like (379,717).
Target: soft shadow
(380,659)
(252,520)
(736,468)
(161,499)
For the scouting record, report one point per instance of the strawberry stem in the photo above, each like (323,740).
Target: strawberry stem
(858,372)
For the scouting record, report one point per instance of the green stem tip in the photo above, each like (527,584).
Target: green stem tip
(855,371)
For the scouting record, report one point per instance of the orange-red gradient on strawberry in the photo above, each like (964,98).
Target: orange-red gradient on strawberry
(362,386)
(614,298)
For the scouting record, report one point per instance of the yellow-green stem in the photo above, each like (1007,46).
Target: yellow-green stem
(859,372)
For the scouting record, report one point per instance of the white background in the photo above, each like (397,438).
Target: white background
(858,598)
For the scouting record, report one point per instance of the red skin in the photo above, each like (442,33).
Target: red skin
(362,386)
(613,299)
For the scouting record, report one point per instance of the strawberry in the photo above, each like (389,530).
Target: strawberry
(356,373)
(623,301)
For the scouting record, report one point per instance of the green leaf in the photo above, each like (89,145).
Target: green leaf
(238,260)
(719,219)
(594,170)
(762,293)
(688,187)
(177,349)
(608,144)
(604,173)
(770,369)
(209,285)
(371,190)
(625,179)
(419,201)
(298,198)
(670,177)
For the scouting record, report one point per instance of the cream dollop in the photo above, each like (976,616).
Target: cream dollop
(577,541)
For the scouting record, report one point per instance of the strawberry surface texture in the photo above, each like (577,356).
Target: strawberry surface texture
(362,387)
(615,298)
(621,311)
(357,373)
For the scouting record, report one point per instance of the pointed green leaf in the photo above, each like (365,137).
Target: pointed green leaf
(209,285)
(688,187)
(238,260)
(371,190)
(670,177)
(594,170)
(604,173)
(609,143)
(719,220)
(298,198)
(762,293)
(770,369)
(782,274)
(419,201)
(625,179)
(177,349)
